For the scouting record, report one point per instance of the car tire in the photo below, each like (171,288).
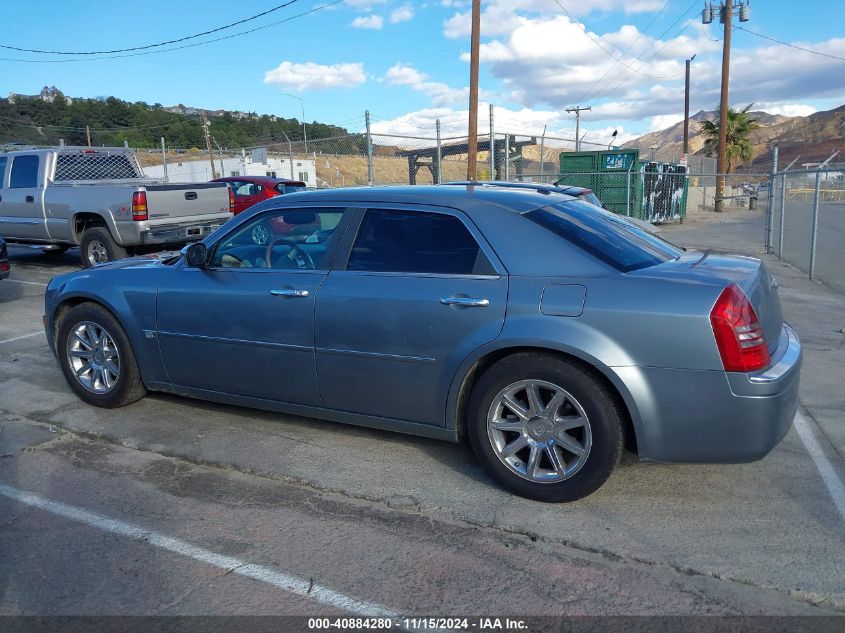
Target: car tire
(574,426)
(88,333)
(98,246)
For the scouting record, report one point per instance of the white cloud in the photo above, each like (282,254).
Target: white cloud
(402,14)
(500,16)
(786,109)
(373,21)
(439,93)
(662,121)
(524,122)
(364,4)
(311,76)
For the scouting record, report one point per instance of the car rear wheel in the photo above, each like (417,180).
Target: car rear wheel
(97,358)
(544,427)
(98,246)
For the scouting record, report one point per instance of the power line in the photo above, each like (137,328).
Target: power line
(800,48)
(601,46)
(176,48)
(589,92)
(146,46)
(641,61)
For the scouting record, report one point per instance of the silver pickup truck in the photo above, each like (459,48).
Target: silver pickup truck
(98,199)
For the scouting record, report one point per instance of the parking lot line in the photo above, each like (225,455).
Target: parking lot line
(297,586)
(17,338)
(31,283)
(826,470)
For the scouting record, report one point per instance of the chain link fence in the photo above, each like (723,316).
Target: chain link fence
(806,222)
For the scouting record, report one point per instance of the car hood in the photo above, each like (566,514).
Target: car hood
(146,261)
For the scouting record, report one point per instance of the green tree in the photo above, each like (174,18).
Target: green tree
(738,148)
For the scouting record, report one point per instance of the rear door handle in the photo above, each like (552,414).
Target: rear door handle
(30,198)
(289,292)
(467,302)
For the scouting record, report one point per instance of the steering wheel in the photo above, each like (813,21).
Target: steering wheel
(296,254)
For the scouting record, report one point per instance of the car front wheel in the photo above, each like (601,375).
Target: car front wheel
(544,427)
(97,358)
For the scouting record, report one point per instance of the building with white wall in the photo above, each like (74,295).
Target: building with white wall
(257,163)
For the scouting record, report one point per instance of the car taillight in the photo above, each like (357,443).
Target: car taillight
(4,267)
(739,335)
(139,206)
(231,200)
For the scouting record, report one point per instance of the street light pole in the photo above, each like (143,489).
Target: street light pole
(686,109)
(302,104)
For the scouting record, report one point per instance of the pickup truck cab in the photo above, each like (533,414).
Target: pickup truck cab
(98,199)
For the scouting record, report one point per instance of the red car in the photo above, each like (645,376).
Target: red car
(250,190)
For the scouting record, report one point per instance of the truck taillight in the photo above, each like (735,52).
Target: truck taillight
(139,206)
(231,200)
(738,333)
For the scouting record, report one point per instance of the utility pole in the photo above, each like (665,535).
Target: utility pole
(369,149)
(88,134)
(472,133)
(205,125)
(726,13)
(577,110)
(686,109)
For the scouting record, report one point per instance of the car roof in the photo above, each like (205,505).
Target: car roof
(268,179)
(468,198)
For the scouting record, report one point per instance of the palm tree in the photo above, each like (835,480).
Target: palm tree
(738,147)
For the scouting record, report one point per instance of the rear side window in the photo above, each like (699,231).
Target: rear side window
(603,235)
(24,172)
(3,161)
(284,187)
(416,242)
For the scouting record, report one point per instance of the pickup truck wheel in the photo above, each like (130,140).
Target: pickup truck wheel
(97,358)
(544,427)
(98,247)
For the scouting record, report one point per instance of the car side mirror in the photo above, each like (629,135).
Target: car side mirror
(195,254)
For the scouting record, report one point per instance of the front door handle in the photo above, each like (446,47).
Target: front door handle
(30,198)
(289,292)
(467,302)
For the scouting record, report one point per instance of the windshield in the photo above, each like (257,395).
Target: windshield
(624,246)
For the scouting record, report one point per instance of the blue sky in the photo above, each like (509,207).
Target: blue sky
(406,61)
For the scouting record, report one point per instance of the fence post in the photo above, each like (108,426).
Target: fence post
(164,158)
(782,212)
(492,147)
(369,150)
(815,223)
(439,166)
(507,158)
(542,156)
(628,190)
(770,207)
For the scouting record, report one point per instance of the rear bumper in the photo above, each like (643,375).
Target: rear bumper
(714,416)
(182,233)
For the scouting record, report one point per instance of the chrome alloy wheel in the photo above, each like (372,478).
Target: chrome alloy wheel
(539,431)
(260,234)
(93,357)
(97,252)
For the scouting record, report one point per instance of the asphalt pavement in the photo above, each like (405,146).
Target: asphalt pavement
(250,511)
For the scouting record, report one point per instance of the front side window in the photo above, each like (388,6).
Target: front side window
(288,239)
(3,161)
(607,237)
(24,172)
(416,242)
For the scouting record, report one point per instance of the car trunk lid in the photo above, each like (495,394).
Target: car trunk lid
(748,273)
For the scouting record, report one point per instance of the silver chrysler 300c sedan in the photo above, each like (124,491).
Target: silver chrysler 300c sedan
(546,332)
